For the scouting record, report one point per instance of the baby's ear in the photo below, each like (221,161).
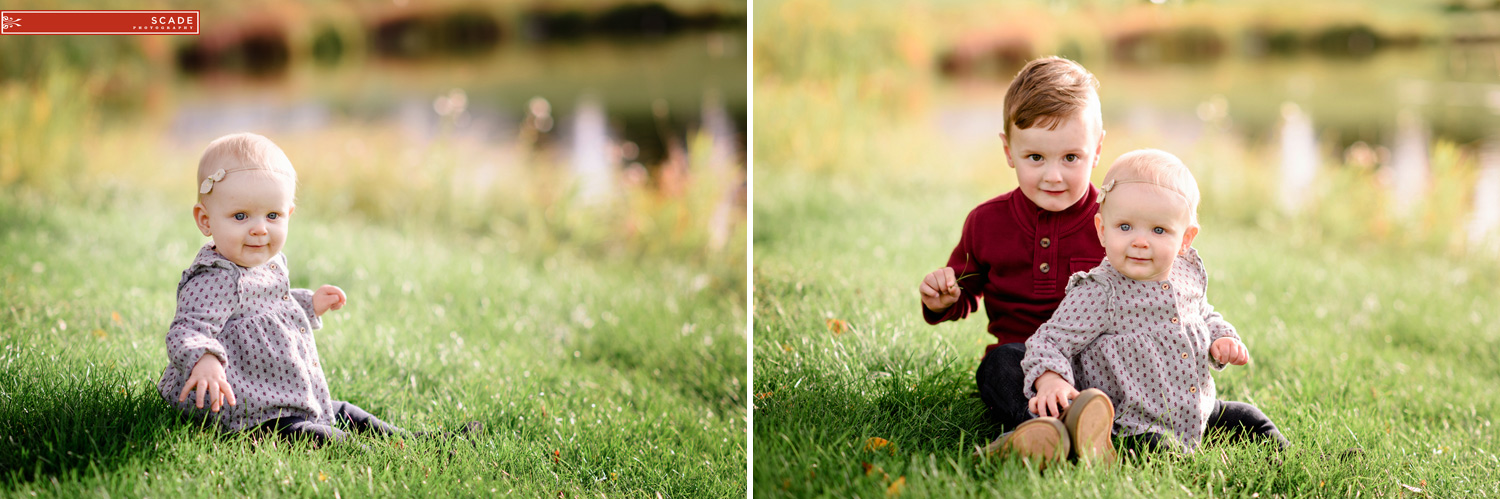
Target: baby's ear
(200,217)
(1187,239)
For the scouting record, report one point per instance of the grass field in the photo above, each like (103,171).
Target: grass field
(593,375)
(1394,353)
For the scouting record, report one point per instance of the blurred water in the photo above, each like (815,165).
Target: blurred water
(609,87)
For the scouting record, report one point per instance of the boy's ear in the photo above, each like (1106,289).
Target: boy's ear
(1006,140)
(1099,149)
(200,217)
(1187,239)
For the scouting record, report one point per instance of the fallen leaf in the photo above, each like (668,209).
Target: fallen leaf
(762,395)
(322,477)
(556,455)
(99,333)
(115,316)
(876,443)
(613,476)
(869,468)
(785,348)
(838,326)
(896,486)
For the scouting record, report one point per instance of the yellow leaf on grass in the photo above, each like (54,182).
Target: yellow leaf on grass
(876,443)
(762,395)
(838,326)
(896,486)
(115,316)
(322,477)
(99,333)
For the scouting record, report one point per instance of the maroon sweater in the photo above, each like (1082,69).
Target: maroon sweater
(1021,257)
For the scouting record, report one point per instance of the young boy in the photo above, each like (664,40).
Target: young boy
(1017,250)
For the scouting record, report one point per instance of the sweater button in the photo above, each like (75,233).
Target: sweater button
(1192,389)
(1165,286)
(1046,242)
(1174,321)
(1184,355)
(1044,267)
(286,297)
(305,330)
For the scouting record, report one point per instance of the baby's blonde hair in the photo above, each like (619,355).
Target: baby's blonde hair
(239,153)
(1156,167)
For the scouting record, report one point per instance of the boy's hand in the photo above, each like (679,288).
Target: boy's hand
(1053,395)
(327,298)
(1229,351)
(208,376)
(940,289)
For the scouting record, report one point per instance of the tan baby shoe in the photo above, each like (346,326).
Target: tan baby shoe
(1040,441)
(1089,420)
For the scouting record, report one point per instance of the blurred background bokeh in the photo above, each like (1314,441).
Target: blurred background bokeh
(1363,121)
(618,127)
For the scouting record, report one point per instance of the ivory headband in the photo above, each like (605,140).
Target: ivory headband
(218,176)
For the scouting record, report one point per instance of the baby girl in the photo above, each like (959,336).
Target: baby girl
(1138,328)
(242,341)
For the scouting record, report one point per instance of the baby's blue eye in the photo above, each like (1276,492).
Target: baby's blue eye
(272,216)
(1159,230)
(1125,227)
(239,216)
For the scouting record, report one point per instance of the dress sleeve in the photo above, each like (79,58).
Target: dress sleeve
(971,289)
(304,298)
(205,300)
(1082,316)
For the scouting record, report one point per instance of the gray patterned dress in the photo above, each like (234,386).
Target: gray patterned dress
(1143,343)
(260,329)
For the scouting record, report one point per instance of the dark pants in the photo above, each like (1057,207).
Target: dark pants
(1000,378)
(345,414)
(1230,422)
(1000,383)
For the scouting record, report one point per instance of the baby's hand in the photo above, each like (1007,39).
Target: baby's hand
(1053,395)
(327,298)
(1229,351)
(940,290)
(208,376)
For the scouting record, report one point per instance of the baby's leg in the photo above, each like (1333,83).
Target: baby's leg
(1141,445)
(296,428)
(1000,378)
(1239,419)
(361,421)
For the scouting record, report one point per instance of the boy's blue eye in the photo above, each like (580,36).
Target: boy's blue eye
(1125,227)
(239,216)
(1159,230)
(272,216)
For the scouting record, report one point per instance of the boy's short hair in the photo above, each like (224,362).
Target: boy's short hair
(1157,167)
(241,152)
(1047,91)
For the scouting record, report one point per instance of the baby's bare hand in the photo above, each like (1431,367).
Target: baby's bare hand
(208,377)
(940,289)
(1053,395)
(1229,351)
(327,298)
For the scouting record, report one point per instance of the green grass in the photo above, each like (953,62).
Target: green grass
(593,374)
(1392,352)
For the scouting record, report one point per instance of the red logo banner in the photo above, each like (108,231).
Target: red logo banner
(99,22)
